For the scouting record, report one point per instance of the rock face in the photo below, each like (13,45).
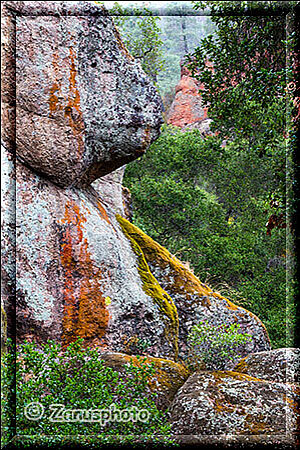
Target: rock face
(113,194)
(222,403)
(194,300)
(187,110)
(281,365)
(84,107)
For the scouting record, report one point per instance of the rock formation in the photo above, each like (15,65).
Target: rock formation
(166,380)
(187,110)
(72,265)
(232,406)
(281,365)
(222,403)
(84,107)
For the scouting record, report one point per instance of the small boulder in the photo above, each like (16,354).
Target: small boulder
(280,365)
(226,403)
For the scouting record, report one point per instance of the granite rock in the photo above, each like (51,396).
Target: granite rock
(226,405)
(281,365)
(84,105)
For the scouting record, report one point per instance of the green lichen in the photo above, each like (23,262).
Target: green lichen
(152,288)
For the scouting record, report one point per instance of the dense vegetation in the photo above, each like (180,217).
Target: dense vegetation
(207,204)
(214,347)
(76,379)
(220,203)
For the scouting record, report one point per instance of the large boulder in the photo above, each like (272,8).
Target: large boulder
(281,365)
(230,406)
(84,108)
(195,301)
(84,105)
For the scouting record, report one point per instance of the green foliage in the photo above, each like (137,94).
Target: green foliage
(78,379)
(209,204)
(215,346)
(160,42)
(247,89)
(141,36)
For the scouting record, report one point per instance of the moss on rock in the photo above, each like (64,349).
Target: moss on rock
(152,288)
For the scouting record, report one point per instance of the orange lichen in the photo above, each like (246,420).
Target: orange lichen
(146,139)
(255,424)
(76,123)
(242,366)
(85,314)
(72,109)
(221,374)
(103,212)
(53,100)
(293,403)
(56,86)
(168,376)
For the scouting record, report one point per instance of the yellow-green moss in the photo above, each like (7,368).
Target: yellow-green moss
(152,288)
(242,366)
(183,280)
(221,374)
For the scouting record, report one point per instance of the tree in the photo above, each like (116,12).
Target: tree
(141,35)
(247,89)
(181,31)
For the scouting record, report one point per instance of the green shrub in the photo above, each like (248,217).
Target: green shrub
(209,204)
(214,347)
(78,379)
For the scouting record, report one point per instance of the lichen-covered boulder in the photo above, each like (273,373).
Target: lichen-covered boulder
(167,378)
(78,276)
(225,403)
(84,105)
(195,301)
(281,365)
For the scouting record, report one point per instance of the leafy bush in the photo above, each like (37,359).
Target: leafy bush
(78,379)
(215,346)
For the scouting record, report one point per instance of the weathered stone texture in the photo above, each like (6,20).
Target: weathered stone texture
(281,365)
(194,300)
(229,403)
(111,191)
(84,105)
(84,108)
(78,276)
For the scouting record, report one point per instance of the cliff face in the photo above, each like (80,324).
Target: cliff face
(84,108)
